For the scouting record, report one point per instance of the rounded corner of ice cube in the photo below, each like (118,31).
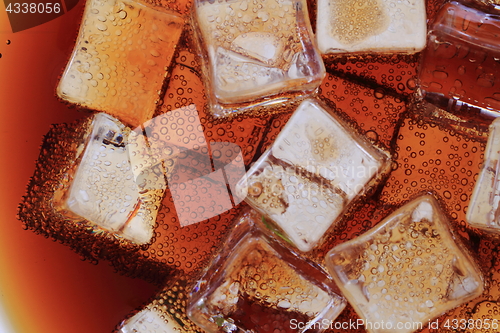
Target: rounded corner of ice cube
(138,234)
(329,256)
(429,198)
(420,42)
(60,93)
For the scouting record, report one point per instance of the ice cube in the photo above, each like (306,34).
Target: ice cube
(484,207)
(315,168)
(406,270)
(256,49)
(120,58)
(255,285)
(371,26)
(104,189)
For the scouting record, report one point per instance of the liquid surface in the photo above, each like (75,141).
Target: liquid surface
(371,93)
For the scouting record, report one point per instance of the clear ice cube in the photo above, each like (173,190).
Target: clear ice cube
(484,207)
(344,26)
(315,168)
(255,49)
(255,285)
(120,59)
(114,184)
(405,271)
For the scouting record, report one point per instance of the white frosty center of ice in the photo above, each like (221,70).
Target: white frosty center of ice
(261,46)
(348,166)
(423,211)
(149,321)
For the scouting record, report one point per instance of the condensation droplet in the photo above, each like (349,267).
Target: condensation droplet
(486,80)
(101,26)
(379,93)
(440,75)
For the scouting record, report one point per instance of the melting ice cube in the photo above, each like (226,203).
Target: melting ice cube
(255,283)
(119,59)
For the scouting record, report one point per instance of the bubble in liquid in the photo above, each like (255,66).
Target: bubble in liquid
(8,42)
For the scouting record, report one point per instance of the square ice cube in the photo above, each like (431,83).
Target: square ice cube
(484,206)
(346,26)
(255,285)
(256,49)
(406,270)
(120,59)
(315,168)
(107,186)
